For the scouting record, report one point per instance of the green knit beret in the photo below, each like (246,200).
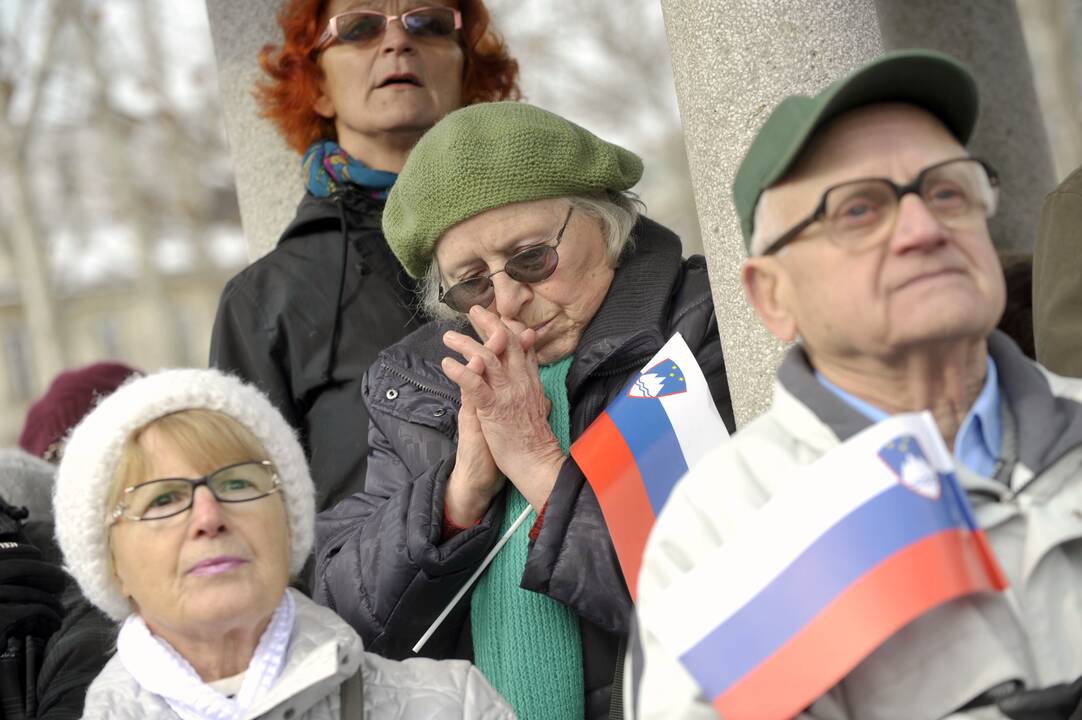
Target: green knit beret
(489,155)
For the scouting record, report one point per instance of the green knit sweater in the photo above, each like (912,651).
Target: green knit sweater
(526,643)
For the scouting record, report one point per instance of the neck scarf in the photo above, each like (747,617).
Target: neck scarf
(327,166)
(525,643)
(161,670)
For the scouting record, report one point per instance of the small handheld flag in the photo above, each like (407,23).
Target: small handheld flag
(866,539)
(635,451)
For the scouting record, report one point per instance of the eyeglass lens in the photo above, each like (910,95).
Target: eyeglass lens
(161,498)
(422,22)
(954,192)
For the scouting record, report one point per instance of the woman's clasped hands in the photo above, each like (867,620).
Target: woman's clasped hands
(503,428)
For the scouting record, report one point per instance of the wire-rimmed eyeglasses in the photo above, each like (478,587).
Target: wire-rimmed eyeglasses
(166,497)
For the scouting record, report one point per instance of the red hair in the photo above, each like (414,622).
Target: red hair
(288,96)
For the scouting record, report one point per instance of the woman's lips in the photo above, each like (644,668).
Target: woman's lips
(216,565)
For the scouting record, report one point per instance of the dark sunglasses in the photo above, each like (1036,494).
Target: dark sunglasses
(531,265)
(358,26)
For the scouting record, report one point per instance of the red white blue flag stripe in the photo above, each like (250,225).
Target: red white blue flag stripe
(635,451)
(864,541)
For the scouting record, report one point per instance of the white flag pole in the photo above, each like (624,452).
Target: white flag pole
(473,578)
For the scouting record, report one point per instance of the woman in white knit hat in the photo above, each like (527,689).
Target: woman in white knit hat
(183,504)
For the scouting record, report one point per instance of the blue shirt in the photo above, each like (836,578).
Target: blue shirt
(980,438)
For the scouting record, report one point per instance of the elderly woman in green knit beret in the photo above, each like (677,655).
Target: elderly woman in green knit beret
(548,291)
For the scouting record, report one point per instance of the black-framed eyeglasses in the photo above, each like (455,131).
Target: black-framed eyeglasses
(361,26)
(530,265)
(160,499)
(859,214)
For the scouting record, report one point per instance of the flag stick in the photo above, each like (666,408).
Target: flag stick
(473,578)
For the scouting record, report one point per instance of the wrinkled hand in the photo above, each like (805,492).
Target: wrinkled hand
(475,479)
(509,402)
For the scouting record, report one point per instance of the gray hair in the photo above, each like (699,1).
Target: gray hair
(617,214)
(761,225)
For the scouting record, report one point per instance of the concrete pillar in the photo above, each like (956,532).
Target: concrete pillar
(267,172)
(733,62)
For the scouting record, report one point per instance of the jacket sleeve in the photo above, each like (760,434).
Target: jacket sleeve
(380,562)
(1057,294)
(245,342)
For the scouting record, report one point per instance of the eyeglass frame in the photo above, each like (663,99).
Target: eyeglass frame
(488,276)
(118,512)
(330,33)
(900,191)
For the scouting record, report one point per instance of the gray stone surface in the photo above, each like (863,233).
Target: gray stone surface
(268,176)
(732,63)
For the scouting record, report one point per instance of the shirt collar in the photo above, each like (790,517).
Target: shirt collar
(981,431)
(983,423)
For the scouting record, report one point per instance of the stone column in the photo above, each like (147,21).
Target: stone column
(733,62)
(268,173)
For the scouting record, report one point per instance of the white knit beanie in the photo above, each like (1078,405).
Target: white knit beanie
(85,476)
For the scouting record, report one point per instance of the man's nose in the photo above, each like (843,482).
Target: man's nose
(915,225)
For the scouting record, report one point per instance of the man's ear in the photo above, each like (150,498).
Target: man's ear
(766,285)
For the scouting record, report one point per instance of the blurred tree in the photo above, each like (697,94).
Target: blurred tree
(115,181)
(22,78)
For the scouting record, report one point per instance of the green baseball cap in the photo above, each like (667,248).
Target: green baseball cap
(925,78)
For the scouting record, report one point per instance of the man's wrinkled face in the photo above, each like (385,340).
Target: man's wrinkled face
(926,283)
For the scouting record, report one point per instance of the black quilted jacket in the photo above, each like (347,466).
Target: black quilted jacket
(380,560)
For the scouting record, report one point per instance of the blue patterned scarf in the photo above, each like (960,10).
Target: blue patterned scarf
(326,166)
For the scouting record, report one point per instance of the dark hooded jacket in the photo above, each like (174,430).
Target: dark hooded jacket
(380,560)
(305,321)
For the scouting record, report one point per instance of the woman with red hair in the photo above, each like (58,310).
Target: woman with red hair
(352,88)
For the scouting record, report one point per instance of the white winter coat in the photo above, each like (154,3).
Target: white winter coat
(324,653)
(954,654)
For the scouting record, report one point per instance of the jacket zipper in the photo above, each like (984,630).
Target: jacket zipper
(426,388)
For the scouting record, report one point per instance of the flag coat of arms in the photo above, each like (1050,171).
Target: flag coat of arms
(864,540)
(660,425)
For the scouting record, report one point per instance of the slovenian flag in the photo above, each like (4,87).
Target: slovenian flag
(860,543)
(662,423)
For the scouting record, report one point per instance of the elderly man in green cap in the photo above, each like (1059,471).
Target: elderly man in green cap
(554,292)
(866,225)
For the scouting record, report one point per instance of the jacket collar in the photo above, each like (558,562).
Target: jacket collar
(364,213)
(630,325)
(1058,421)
